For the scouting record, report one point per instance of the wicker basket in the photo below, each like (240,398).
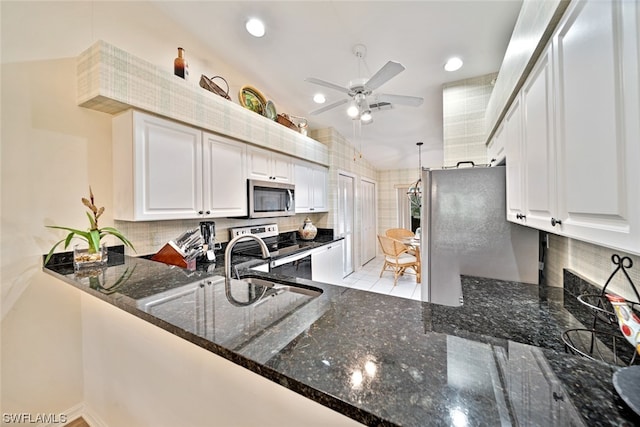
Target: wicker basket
(284,120)
(208,84)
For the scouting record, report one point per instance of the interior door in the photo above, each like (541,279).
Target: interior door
(368,201)
(345,219)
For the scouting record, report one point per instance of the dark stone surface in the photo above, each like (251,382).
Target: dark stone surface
(381,360)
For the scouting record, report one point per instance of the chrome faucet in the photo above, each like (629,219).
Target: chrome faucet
(229,249)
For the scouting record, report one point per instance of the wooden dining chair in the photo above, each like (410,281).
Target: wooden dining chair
(397,258)
(399,233)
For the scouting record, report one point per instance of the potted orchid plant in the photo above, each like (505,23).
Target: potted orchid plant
(95,253)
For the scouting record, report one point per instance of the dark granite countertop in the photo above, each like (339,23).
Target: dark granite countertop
(381,360)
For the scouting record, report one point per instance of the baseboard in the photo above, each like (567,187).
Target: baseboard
(93,419)
(77,411)
(65,416)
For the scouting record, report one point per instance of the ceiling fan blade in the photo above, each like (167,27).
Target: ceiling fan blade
(326,84)
(413,101)
(384,74)
(329,107)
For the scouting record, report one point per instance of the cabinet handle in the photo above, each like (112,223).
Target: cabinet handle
(200,212)
(521,216)
(208,212)
(311,209)
(555,222)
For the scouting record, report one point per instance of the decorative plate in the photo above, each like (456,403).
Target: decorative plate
(270,111)
(252,99)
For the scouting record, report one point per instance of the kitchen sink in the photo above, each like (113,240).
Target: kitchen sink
(281,287)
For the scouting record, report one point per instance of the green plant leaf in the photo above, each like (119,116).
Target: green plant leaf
(94,240)
(50,254)
(114,232)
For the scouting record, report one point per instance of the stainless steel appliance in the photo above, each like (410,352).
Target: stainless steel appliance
(287,257)
(464,231)
(270,199)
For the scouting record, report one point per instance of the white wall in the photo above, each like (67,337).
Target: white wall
(52,150)
(187,386)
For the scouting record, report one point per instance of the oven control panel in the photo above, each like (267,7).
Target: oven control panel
(262,231)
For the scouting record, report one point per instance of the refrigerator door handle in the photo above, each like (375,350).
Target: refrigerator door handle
(469,162)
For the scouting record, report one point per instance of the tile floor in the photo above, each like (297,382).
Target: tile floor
(368,278)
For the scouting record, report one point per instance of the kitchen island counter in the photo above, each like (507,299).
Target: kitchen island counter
(382,360)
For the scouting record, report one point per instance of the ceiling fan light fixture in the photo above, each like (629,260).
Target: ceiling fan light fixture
(353,111)
(255,27)
(319,98)
(366,116)
(453,64)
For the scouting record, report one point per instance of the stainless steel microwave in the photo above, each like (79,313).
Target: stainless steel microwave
(270,199)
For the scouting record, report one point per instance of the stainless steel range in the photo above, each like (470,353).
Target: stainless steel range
(287,257)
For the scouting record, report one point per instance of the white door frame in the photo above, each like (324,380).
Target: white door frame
(349,247)
(365,239)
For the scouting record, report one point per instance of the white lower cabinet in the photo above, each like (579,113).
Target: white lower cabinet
(576,164)
(327,263)
(164,170)
(311,187)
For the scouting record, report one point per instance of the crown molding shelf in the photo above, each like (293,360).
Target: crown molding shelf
(111,80)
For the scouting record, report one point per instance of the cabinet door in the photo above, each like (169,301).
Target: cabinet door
(225,177)
(495,150)
(326,264)
(513,149)
(319,189)
(259,164)
(281,168)
(597,100)
(539,145)
(311,187)
(167,169)
(269,166)
(303,180)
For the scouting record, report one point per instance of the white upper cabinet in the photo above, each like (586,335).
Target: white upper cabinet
(266,165)
(538,156)
(157,168)
(311,182)
(581,130)
(165,170)
(598,113)
(495,150)
(225,176)
(513,149)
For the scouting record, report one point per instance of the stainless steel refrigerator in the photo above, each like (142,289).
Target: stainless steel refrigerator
(464,231)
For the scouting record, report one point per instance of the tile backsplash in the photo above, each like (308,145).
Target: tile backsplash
(590,261)
(149,236)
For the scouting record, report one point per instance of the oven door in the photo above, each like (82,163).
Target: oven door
(270,199)
(297,265)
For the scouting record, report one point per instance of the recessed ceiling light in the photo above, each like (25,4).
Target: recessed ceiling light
(453,64)
(255,27)
(319,98)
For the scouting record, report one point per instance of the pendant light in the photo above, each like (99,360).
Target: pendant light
(415,190)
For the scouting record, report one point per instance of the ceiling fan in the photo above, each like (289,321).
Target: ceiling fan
(360,90)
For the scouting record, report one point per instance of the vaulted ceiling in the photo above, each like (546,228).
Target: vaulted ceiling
(316,39)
